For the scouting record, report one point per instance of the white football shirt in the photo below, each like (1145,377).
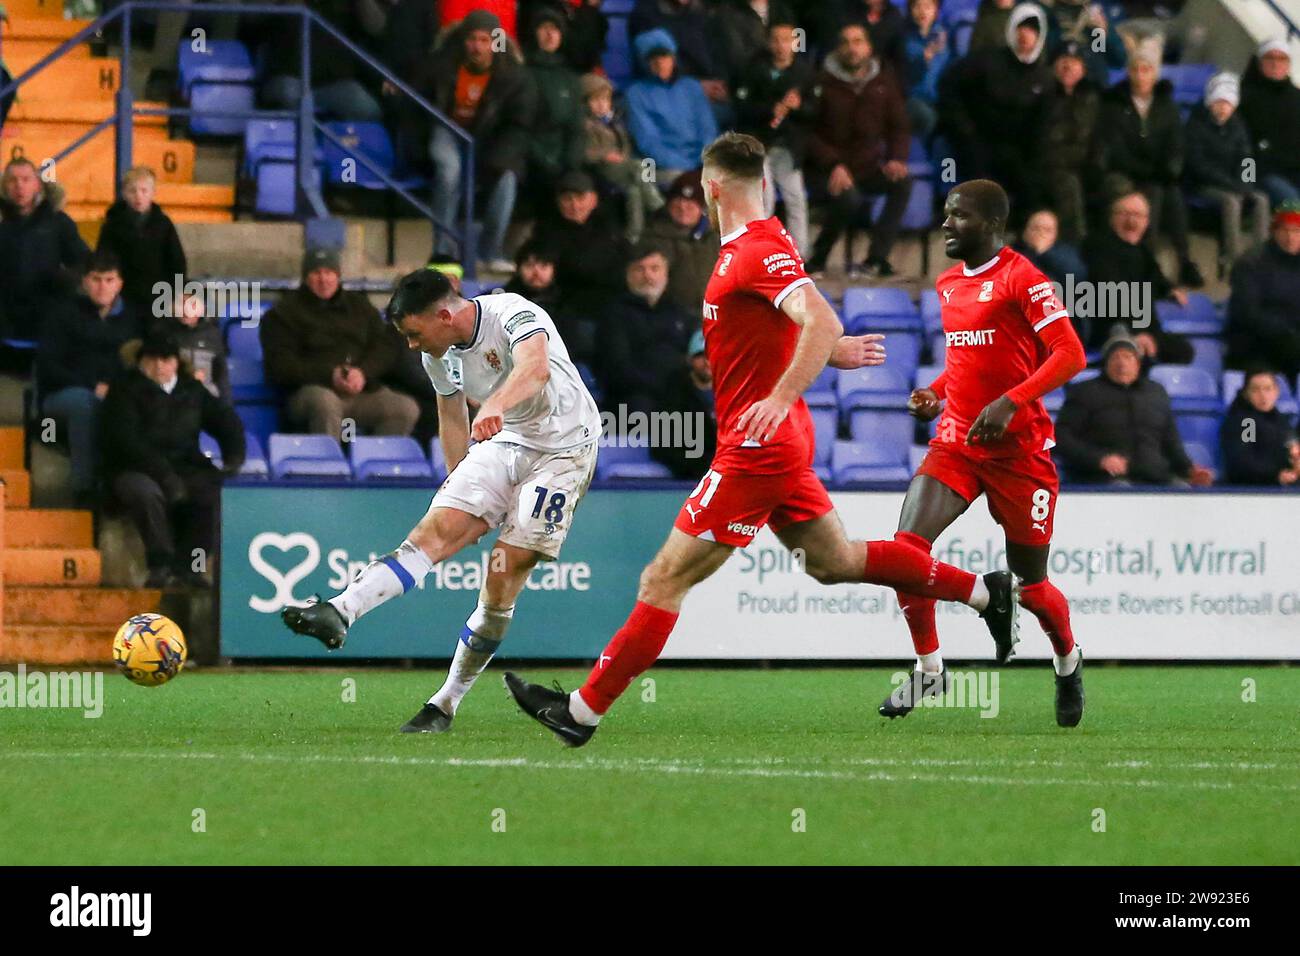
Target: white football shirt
(562,415)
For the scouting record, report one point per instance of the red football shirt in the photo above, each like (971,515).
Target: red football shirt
(992,315)
(749,341)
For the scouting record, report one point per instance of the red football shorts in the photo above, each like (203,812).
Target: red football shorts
(730,506)
(1021,491)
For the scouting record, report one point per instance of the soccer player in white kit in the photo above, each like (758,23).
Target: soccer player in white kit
(536,435)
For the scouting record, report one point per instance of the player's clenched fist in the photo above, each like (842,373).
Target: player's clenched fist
(760,421)
(924,404)
(486,424)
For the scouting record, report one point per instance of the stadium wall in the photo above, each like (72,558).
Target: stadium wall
(1162,575)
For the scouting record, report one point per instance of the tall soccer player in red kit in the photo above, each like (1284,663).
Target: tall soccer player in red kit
(1009,342)
(768,333)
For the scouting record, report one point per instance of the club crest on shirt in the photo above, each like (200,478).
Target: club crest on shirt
(726,261)
(493,359)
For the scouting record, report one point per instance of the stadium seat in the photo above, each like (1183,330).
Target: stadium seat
(915,455)
(370,140)
(1054,399)
(881,309)
(210,449)
(889,433)
(230,310)
(863,461)
(824,474)
(1200,427)
(208,98)
(242,340)
(931,317)
(1208,354)
(217,80)
(873,387)
(903,351)
(1199,317)
(247,381)
(589,379)
(1286,402)
(821,394)
(825,428)
(617,59)
(254,465)
(437,460)
(938,349)
(1190,389)
(380,457)
(1188,80)
(918,160)
(260,418)
(1200,454)
(925,374)
(270,148)
(471,287)
(307,456)
(615,462)
(1083,376)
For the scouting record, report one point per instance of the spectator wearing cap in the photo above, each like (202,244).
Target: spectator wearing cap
(1069,128)
(926,54)
(1120,254)
(329,349)
(1141,146)
(774,100)
(688,391)
(79,359)
(145,241)
(491,96)
(682,231)
(558,139)
(1263,316)
(155,468)
(1218,145)
(199,339)
(668,113)
(1084,24)
(1119,427)
(858,148)
(1259,443)
(646,333)
(42,256)
(1270,107)
(609,153)
(695,42)
(587,244)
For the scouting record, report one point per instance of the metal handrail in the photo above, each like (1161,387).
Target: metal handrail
(1291,29)
(307,175)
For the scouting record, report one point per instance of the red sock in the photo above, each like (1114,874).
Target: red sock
(1051,608)
(905,568)
(632,651)
(918,611)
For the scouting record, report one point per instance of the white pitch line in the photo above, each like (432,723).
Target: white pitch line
(645,765)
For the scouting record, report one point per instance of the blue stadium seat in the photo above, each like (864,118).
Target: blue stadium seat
(938,349)
(1083,376)
(931,317)
(617,59)
(861,461)
(1286,402)
(903,352)
(242,340)
(208,98)
(1190,389)
(471,287)
(1209,354)
(1054,399)
(918,160)
(229,310)
(380,457)
(247,381)
(890,433)
(437,460)
(1200,427)
(1188,80)
(221,61)
(821,394)
(925,374)
(589,379)
(1199,317)
(623,461)
(260,419)
(254,460)
(269,151)
(210,449)
(1200,454)
(824,474)
(880,309)
(370,140)
(307,456)
(915,455)
(826,423)
(874,387)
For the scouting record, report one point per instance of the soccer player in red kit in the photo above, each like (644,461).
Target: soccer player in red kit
(768,333)
(1009,342)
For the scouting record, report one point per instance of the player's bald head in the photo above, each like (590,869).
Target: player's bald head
(987,199)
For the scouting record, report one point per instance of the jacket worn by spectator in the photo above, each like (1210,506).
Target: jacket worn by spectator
(148,247)
(1110,259)
(1271,112)
(644,344)
(1100,418)
(1264,309)
(41,259)
(679,393)
(1146,150)
(921,76)
(1069,125)
(305,338)
(557,140)
(147,430)
(1258,461)
(203,349)
(860,123)
(758,90)
(692,254)
(689,25)
(79,349)
(1215,153)
(589,259)
(671,122)
(742,33)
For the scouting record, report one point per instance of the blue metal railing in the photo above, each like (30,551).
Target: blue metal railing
(1291,29)
(307,175)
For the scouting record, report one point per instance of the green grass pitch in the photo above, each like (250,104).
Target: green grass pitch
(714,770)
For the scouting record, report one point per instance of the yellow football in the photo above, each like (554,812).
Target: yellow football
(149,649)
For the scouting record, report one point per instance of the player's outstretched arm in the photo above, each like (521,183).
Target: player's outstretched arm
(453,428)
(529,376)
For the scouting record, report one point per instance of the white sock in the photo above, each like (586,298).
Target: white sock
(381,580)
(1065,666)
(931,663)
(979,595)
(581,711)
(479,640)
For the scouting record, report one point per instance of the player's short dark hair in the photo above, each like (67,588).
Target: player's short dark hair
(990,199)
(416,293)
(737,154)
(103,260)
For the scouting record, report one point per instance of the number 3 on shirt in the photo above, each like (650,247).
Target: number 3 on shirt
(709,485)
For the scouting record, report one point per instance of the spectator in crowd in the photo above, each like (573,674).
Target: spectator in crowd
(990,30)
(144,240)
(669,115)
(153,463)
(885,24)
(609,152)
(1041,244)
(682,231)
(336,86)
(1069,128)
(199,341)
(558,140)
(410,34)
(1270,107)
(1218,146)
(41,253)
(1119,254)
(329,349)
(993,105)
(1142,147)
(79,359)
(1083,23)
(535,279)
(858,147)
(774,101)
(1263,316)
(646,333)
(450,267)
(491,96)
(1259,443)
(743,28)
(689,391)
(1119,427)
(926,54)
(588,247)
(584,33)
(694,36)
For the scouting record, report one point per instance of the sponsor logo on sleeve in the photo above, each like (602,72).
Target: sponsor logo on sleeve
(519,319)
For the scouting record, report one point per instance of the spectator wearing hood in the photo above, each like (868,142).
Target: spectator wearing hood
(1141,145)
(857,148)
(1263,317)
(557,143)
(1270,107)
(669,114)
(586,242)
(1070,126)
(683,233)
(1259,443)
(144,240)
(1119,427)
(994,103)
(609,152)
(926,55)
(41,254)
(585,30)
(491,96)
(1218,145)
